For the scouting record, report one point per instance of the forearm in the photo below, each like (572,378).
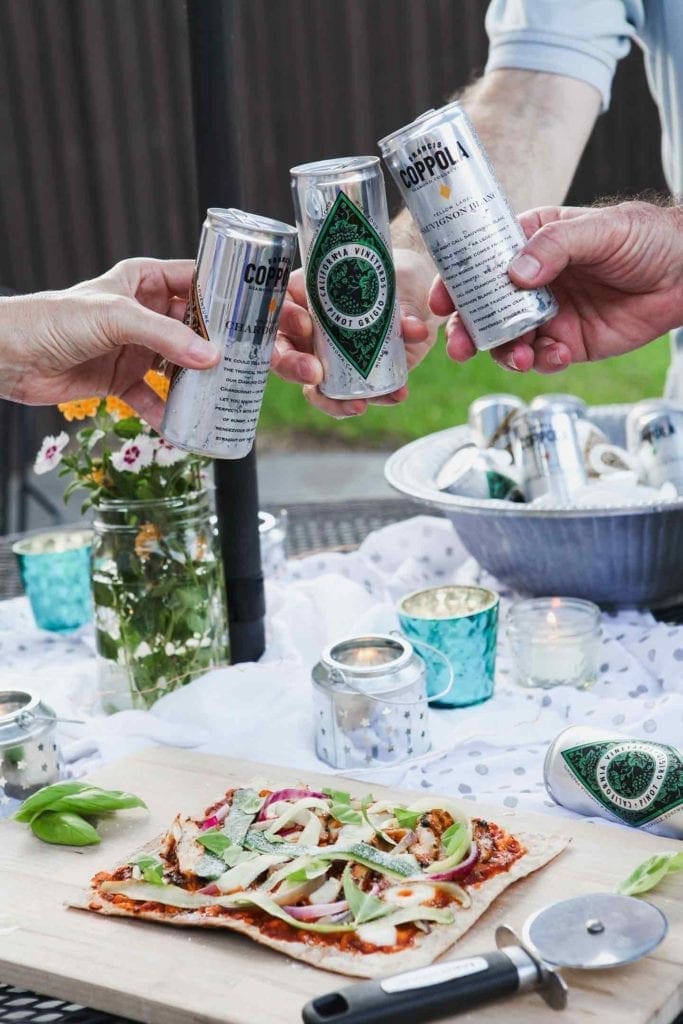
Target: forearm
(534,127)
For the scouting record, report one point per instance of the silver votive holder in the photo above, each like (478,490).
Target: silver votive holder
(554,641)
(370,703)
(29,755)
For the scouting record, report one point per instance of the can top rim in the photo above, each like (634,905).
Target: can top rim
(334,166)
(246,224)
(430,118)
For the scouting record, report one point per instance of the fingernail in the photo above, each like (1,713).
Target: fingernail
(202,352)
(511,362)
(555,357)
(307,374)
(526,266)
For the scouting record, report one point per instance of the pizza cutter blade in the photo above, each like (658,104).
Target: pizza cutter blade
(595,931)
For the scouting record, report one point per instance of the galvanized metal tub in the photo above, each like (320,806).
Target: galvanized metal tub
(631,556)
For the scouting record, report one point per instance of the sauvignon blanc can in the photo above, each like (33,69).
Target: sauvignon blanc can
(468,226)
(632,781)
(239,285)
(341,214)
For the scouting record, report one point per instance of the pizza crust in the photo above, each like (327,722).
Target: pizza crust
(424,949)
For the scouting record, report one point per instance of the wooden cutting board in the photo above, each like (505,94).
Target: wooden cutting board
(163,975)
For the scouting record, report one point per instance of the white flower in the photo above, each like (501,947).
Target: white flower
(134,455)
(167,454)
(107,621)
(143,650)
(50,454)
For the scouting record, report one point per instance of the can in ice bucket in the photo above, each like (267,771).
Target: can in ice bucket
(370,702)
(489,420)
(341,213)
(451,191)
(239,286)
(547,450)
(654,434)
(29,755)
(473,473)
(632,781)
(562,402)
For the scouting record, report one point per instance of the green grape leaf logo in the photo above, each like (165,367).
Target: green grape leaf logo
(351,284)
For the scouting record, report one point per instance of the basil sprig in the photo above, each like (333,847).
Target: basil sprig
(151,868)
(341,808)
(58,813)
(407,819)
(363,906)
(650,873)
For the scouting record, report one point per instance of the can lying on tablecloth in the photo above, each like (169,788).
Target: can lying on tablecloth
(636,782)
(451,191)
(239,286)
(341,213)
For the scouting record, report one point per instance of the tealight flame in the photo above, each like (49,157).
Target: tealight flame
(551,619)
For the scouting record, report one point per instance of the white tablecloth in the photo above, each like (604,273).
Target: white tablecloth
(492,752)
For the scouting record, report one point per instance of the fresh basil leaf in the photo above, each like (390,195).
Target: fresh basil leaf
(97,801)
(151,868)
(454,838)
(64,828)
(46,796)
(337,796)
(363,906)
(650,873)
(314,869)
(346,814)
(214,841)
(405,818)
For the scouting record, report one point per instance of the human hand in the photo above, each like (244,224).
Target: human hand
(294,360)
(101,337)
(617,273)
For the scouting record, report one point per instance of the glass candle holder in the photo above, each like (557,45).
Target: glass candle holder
(55,571)
(554,641)
(459,624)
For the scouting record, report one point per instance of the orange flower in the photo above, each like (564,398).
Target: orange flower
(117,407)
(146,540)
(79,409)
(97,475)
(158,382)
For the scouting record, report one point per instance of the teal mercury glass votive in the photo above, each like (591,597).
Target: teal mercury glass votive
(459,624)
(55,570)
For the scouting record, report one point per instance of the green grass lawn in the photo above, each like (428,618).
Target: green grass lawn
(441,391)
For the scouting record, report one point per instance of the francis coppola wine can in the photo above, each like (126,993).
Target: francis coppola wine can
(547,450)
(468,226)
(343,223)
(654,434)
(635,782)
(239,285)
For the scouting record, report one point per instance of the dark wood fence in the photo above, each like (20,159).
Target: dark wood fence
(96,160)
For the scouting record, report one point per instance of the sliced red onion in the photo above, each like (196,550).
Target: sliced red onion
(210,890)
(223,812)
(211,822)
(316,910)
(286,794)
(460,870)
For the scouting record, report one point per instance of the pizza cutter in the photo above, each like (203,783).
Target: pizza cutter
(589,932)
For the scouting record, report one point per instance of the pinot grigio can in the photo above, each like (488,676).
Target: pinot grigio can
(468,226)
(343,223)
(239,285)
(632,781)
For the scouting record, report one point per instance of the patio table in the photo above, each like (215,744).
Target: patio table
(639,654)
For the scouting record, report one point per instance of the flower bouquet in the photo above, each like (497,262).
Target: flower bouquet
(158,589)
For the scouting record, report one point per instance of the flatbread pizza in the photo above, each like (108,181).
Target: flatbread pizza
(358,886)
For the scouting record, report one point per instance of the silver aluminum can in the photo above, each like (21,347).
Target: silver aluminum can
(635,782)
(472,473)
(655,436)
(29,755)
(561,401)
(239,285)
(468,226)
(548,453)
(489,420)
(341,213)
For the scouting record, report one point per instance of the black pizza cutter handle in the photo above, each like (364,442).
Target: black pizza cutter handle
(429,992)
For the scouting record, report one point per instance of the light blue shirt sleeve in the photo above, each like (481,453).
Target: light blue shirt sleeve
(581,39)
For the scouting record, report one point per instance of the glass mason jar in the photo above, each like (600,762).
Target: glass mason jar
(159,597)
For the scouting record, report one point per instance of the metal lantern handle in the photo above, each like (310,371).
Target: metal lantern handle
(339,673)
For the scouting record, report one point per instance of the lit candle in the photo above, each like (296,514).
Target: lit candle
(554,641)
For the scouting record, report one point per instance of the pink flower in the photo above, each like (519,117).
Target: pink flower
(134,455)
(50,454)
(167,454)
